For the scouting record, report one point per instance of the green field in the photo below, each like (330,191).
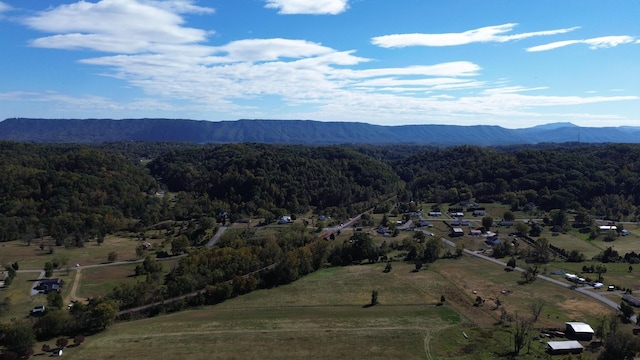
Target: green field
(325,316)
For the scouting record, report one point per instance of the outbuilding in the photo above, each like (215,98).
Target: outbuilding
(564,347)
(579,331)
(607,227)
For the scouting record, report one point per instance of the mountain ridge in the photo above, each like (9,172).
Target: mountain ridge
(300,132)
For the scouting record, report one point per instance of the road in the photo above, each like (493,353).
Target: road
(582,290)
(216,237)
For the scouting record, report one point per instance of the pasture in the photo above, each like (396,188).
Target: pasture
(325,316)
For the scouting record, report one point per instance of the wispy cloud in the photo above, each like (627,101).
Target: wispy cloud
(4,7)
(319,7)
(117,26)
(594,43)
(480,35)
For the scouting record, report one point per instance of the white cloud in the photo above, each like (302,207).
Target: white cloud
(481,35)
(594,43)
(123,26)
(288,7)
(512,89)
(4,7)
(151,49)
(271,49)
(607,41)
(455,68)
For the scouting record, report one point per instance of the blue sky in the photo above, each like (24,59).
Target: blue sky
(509,63)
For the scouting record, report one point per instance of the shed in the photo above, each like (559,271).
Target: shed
(564,347)
(457,232)
(632,300)
(579,331)
(607,227)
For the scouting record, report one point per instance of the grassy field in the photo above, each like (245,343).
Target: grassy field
(19,294)
(325,316)
(32,257)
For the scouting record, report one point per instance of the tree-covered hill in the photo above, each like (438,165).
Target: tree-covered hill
(68,191)
(257,177)
(604,179)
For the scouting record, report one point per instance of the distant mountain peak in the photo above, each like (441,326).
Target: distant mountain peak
(557,125)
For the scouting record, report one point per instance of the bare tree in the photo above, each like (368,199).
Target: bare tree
(536,309)
(521,334)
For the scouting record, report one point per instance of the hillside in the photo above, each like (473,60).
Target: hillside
(299,132)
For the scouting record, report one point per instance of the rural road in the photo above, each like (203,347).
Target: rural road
(582,290)
(215,238)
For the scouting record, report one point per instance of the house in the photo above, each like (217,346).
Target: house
(457,214)
(579,331)
(564,347)
(625,232)
(48,285)
(435,213)
(475,233)
(492,240)
(479,212)
(284,219)
(506,223)
(455,232)
(598,285)
(57,352)
(424,223)
(460,223)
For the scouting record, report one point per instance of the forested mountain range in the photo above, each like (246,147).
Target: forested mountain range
(299,132)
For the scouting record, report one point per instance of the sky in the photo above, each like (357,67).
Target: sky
(514,64)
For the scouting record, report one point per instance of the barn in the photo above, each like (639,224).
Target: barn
(579,331)
(564,347)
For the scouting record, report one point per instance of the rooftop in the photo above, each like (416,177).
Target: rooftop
(580,327)
(564,345)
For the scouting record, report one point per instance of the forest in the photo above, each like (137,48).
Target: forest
(68,194)
(73,193)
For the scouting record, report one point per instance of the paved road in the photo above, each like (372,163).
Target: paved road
(582,290)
